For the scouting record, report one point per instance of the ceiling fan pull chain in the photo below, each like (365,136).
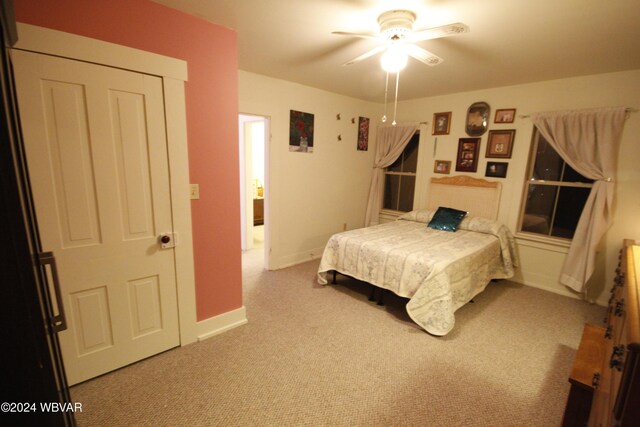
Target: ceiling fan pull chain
(395,104)
(386,90)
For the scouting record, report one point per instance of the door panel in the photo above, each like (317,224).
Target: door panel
(70,154)
(96,150)
(91,311)
(128,128)
(144,295)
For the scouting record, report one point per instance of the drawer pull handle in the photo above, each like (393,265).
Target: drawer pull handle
(608,333)
(619,308)
(616,356)
(596,380)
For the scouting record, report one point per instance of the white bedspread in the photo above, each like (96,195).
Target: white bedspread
(439,271)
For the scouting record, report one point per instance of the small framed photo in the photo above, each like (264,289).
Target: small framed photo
(496,169)
(301,131)
(441,123)
(442,166)
(363,134)
(467,160)
(505,115)
(478,118)
(500,143)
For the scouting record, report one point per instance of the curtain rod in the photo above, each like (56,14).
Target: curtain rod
(408,123)
(626,110)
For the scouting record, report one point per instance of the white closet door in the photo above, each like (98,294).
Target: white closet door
(97,157)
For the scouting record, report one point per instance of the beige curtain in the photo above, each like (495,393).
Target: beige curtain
(588,140)
(391,141)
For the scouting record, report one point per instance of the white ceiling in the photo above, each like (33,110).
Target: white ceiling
(510,42)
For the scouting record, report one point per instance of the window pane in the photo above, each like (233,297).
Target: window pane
(411,155)
(571,201)
(539,209)
(570,175)
(396,166)
(550,209)
(548,164)
(391,188)
(407,185)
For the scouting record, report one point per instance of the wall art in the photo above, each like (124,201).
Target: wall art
(500,143)
(468,149)
(363,134)
(301,132)
(477,118)
(441,123)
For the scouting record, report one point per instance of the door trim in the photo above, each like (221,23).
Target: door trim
(72,46)
(173,73)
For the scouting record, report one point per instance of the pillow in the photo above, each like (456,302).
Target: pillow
(446,219)
(418,216)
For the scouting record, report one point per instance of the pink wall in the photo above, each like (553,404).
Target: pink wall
(212,117)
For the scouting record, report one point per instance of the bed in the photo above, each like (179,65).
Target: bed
(438,271)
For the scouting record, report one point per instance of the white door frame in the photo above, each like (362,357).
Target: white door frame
(173,73)
(246,210)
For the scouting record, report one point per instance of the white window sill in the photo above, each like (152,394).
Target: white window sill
(391,212)
(543,242)
(387,215)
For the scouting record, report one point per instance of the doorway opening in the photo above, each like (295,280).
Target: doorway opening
(254,189)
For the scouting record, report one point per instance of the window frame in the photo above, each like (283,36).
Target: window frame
(401,174)
(529,181)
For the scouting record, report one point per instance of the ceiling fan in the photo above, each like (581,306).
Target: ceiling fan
(396,30)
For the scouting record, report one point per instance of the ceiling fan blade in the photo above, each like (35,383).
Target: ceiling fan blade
(438,32)
(366,55)
(422,55)
(362,36)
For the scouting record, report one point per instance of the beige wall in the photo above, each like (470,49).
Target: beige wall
(540,262)
(311,195)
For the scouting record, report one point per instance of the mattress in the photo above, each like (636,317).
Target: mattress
(438,271)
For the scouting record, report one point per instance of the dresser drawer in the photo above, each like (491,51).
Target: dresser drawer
(616,399)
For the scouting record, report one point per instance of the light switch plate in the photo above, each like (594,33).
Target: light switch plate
(195,191)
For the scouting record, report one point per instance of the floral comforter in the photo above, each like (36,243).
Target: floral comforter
(439,271)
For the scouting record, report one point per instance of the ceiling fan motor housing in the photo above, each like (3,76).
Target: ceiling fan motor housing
(396,24)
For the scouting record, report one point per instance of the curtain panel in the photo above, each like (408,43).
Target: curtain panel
(391,141)
(588,140)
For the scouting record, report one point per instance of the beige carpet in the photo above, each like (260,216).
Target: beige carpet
(325,356)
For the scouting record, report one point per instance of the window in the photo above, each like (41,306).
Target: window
(555,193)
(400,178)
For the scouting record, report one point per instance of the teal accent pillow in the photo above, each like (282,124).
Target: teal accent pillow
(446,219)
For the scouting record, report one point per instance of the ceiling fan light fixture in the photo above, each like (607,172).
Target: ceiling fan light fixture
(396,22)
(394,59)
(396,32)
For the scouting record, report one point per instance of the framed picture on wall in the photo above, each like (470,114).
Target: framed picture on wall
(477,118)
(363,134)
(301,131)
(468,149)
(500,143)
(442,166)
(505,115)
(496,169)
(441,123)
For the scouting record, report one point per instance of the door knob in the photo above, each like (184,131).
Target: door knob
(167,240)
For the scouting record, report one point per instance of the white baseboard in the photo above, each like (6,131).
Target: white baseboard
(297,258)
(556,290)
(221,323)
(553,289)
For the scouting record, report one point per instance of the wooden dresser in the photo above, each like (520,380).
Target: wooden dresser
(258,211)
(605,379)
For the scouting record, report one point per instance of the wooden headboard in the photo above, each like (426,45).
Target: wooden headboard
(477,196)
